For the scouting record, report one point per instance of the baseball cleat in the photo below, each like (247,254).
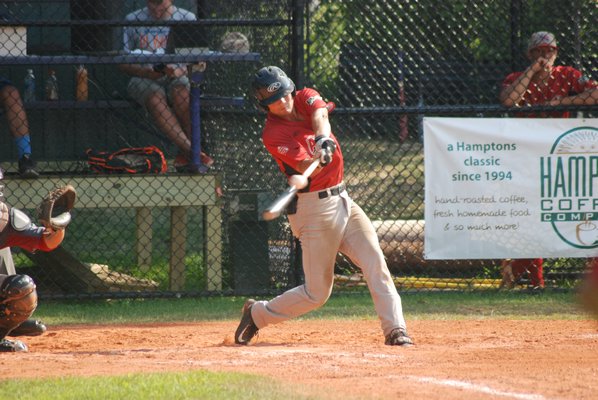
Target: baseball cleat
(247,328)
(12,346)
(398,337)
(30,327)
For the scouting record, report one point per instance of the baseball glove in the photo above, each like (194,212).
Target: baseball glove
(54,210)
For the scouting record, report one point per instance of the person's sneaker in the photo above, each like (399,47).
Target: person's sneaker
(27,167)
(206,159)
(398,337)
(30,327)
(12,346)
(247,328)
(182,164)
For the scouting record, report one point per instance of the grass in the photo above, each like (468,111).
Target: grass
(420,305)
(172,386)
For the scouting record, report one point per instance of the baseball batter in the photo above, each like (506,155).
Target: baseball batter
(324,217)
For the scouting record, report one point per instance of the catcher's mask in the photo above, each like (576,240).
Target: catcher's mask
(270,84)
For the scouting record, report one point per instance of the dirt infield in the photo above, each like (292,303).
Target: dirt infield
(483,359)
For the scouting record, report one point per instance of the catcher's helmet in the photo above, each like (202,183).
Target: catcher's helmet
(271,84)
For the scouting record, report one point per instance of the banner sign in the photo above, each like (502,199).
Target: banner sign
(510,188)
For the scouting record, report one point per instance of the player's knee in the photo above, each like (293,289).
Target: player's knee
(18,300)
(319,297)
(16,286)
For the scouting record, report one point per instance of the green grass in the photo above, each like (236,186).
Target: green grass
(172,386)
(423,305)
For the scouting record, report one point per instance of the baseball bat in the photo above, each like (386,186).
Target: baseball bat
(282,201)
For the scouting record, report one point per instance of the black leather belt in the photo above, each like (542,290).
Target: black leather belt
(334,191)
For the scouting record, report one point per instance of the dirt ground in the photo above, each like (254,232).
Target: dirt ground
(530,360)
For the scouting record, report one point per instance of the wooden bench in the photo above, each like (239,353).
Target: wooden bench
(143,192)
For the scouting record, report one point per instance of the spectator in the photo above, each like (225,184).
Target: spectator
(10,100)
(543,83)
(162,89)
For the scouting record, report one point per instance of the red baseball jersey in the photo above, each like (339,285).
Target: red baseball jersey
(563,81)
(291,142)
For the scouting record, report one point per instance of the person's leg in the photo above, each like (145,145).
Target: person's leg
(319,224)
(179,97)
(18,126)
(152,96)
(508,278)
(157,105)
(15,112)
(360,244)
(536,272)
(519,267)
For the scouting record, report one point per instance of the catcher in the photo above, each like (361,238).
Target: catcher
(18,296)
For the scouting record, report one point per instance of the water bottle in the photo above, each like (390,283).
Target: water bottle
(52,86)
(81,85)
(29,93)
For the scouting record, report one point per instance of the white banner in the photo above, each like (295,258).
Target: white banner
(510,188)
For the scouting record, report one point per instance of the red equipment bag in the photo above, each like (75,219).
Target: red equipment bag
(130,160)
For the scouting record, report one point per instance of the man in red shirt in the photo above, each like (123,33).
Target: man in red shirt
(543,83)
(324,218)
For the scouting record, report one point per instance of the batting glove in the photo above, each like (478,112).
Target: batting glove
(325,148)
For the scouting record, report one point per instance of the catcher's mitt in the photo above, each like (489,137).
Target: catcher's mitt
(54,210)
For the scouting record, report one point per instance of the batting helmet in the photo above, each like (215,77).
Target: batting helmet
(271,84)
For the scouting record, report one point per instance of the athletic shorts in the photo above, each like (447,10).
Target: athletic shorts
(140,88)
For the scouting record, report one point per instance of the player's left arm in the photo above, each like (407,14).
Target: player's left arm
(21,232)
(586,98)
(320,123)
(586,89)
(325,145)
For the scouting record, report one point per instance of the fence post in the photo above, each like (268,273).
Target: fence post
(297,63)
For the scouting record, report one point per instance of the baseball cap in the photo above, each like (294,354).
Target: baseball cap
(541,39)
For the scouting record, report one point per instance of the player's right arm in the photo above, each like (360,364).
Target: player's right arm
(513,90)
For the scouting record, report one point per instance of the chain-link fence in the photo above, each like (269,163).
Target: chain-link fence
(386,65)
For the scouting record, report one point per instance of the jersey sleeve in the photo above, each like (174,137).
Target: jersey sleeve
(308,100)
(579,82)
(510,79)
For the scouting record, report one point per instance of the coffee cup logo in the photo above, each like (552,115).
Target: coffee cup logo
(587,233)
